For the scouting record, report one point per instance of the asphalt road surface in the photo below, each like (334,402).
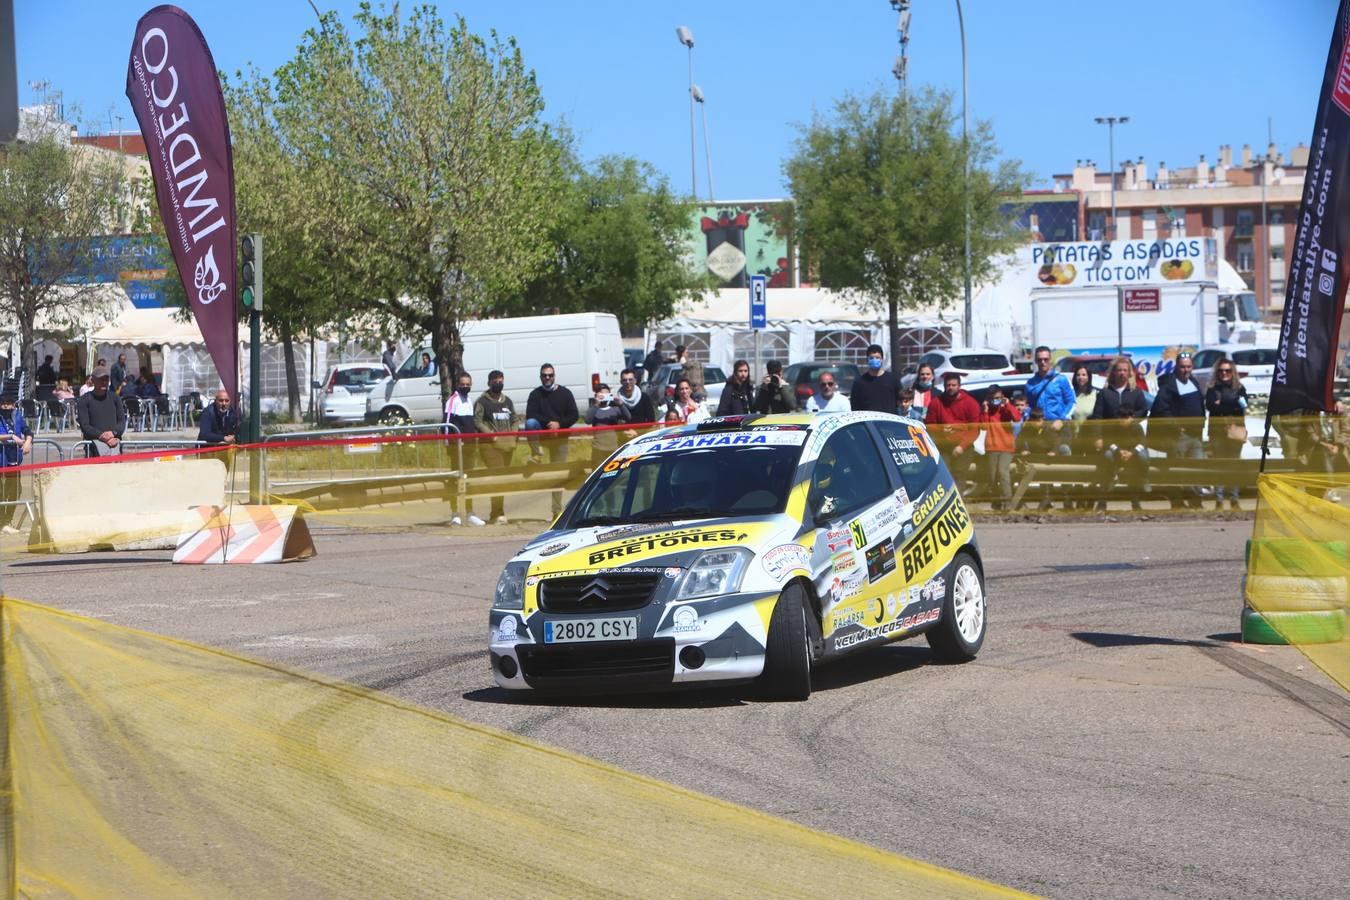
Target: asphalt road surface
(1112,739)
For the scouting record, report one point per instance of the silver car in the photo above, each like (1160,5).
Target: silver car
(345,390)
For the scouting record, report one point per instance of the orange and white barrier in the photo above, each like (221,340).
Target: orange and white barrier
(243,534)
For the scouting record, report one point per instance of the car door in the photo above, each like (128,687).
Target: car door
(934,524)
(855,510)
(417,392)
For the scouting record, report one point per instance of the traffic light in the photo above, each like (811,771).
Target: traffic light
(250,272)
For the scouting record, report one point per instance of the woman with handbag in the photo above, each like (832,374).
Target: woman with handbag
(1226,403)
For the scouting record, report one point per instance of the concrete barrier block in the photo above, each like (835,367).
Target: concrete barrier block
(135,505)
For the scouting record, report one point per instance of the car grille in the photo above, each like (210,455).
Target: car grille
(597,593)
(637,662)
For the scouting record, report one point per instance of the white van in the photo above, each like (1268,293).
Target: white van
(584,348)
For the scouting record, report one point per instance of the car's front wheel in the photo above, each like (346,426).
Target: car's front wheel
(393,416)
(787,658)
(960,633)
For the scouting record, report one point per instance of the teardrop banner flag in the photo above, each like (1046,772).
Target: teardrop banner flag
(1315,297)
(175,92)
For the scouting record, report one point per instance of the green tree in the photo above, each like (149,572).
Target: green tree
(880,194)
(617,246)
(53,199)
(425,150)
(275,197)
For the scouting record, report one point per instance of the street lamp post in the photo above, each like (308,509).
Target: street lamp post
(1110,122)
(707,146)
(686,37)
(1265,234)
(965,145)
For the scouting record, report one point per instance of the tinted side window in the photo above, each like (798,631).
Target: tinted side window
(911,455)
(849,474)
(1206,358)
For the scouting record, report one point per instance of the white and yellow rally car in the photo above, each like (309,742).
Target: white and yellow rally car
(743,548)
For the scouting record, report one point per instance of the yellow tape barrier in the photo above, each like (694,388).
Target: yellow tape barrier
(1298,569)
(149,767)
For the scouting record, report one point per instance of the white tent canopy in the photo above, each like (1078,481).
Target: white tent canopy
(803,324)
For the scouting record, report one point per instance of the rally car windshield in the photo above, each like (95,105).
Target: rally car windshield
(690,483)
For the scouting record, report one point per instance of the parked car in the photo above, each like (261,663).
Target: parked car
(345,390)
(979,367)
(662,387)
(632,359)
(584,348)
(803,376)
(690,558)
(1255,365)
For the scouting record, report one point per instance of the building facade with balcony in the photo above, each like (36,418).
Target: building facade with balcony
(1248,204)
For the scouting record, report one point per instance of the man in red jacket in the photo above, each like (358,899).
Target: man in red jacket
(954,420)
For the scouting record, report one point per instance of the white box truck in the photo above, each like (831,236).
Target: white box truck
(584,349)
(1149,298)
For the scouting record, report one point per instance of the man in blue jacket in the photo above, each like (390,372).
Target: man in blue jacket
(16,439)
(1051,393)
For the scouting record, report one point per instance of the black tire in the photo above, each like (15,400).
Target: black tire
(394,416)
(946,638)
(787,658)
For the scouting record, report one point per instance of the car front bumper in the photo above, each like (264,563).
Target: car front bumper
(723,643)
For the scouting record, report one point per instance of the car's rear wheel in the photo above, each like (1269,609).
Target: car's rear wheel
(960,632)
(787,658)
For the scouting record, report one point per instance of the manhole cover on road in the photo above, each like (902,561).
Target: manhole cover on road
(1094,567)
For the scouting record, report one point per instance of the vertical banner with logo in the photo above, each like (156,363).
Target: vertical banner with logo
(1315,298)
(175,92)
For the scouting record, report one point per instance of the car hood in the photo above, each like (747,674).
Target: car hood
(672,543)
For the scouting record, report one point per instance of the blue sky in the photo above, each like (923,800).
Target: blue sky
(1191,74)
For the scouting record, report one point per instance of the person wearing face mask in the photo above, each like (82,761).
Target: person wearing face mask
(16,439)
(876,389)
(925,386)
(638,404)
(493,412)
(459,412)
(606,412)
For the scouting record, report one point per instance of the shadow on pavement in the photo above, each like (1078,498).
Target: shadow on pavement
(701,698)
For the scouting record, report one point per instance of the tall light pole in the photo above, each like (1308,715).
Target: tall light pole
(1266,165)
(901,68)
(965,146)
(707,146)
(1111,122)
(686,37)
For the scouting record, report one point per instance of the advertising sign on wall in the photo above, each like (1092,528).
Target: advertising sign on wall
(1115,263)
(736,240)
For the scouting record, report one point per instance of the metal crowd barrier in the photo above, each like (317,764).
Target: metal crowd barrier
(44,451)
(355,441)
(81,449)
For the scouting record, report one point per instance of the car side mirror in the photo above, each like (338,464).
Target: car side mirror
(315,385)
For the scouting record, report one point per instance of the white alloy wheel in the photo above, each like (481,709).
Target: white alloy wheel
(968,604)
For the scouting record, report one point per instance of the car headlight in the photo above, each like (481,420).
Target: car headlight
(714,572)
(510,592)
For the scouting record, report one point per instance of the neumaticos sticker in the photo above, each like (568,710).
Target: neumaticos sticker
(663,542)
(736,439)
